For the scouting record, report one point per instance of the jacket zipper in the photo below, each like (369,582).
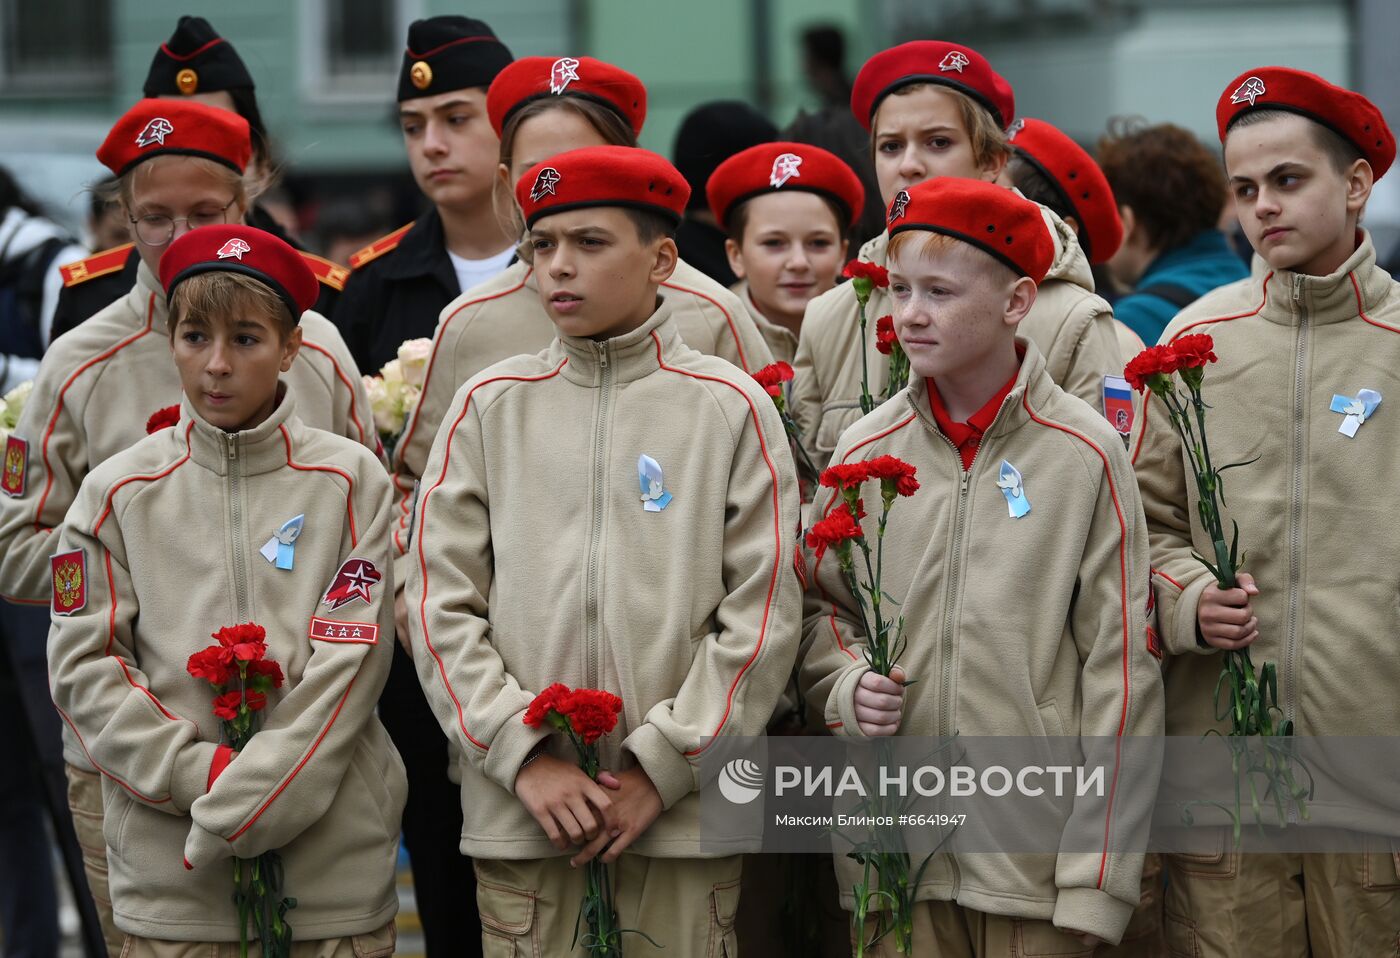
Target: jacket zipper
(600,470)
(1295,516)
(235,500)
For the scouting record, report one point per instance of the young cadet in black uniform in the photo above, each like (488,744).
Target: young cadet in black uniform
(198,64)
(399,286)
(402,281)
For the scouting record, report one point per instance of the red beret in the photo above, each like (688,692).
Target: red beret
(931,61)
(236,248)
(990,217)
(602,176)
(185,127)
(531,78)
(1346,112)
(1081,184)
(770,167)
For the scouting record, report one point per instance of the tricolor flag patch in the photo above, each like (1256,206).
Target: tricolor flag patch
(1118,404)
(69,581)
(16,464)
(331,630)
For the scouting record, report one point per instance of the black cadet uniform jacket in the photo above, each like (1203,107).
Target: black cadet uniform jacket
(399,285)
(91,285)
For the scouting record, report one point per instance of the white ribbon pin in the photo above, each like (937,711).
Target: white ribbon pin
(1355,411)
(654,496)
(280,550)
(1011,486)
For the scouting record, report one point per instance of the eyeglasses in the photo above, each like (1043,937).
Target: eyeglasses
(157,229)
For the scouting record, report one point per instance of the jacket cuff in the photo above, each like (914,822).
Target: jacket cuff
(513,741)
(841,704)
(668,769)
(223,755)
(1094,911)
(203,847)
(1181,637)
(190,777)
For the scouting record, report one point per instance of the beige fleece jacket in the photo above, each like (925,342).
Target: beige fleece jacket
(1315,512)
(166,538)
(95,390)
(1016,627)
(1072,328)
(504,317)
(534,560)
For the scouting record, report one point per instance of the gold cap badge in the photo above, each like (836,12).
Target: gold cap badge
(421,74)
(187,81)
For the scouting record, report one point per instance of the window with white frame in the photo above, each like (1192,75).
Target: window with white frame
(351,49)
(55,46)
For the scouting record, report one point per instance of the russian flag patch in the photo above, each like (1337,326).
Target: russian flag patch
(1118,404)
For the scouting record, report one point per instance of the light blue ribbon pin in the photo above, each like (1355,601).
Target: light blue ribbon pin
(1009,482)
(280,550)
(654,497)
(1355,411)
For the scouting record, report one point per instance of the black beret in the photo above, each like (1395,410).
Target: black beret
(449,53)
(195,60)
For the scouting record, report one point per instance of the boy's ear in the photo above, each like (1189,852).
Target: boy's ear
(503,175)
(291,345)
(736,263)
(1360,179)
(664,262)
(1019,304)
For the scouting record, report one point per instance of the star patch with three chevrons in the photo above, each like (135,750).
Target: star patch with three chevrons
(15,466)
(98,264)
(69,581)
(379,247)
(354,580)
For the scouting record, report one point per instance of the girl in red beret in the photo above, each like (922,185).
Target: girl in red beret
(235,520)
(788,209)
(179,166)
(1019,565)
(1307,364)
(936,109)
(542,106)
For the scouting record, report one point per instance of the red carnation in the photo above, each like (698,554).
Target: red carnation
(838,527)
(876,275)
(214,665)
(163,419)
(592,713)
(268,669)
(547,701)
(1151,362)
(231,635)
(772,377)
(894,471)
(256,701)
(885,338)
(845,475)
(226,705)
(1194,351)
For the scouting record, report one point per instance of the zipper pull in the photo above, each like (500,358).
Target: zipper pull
(1297,287)
(603,355)
(967,474)
(232,447)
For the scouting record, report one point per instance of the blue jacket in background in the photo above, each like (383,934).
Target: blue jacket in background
(1176,278)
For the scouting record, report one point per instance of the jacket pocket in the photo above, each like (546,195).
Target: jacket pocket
(507,920)
(836,416)
(376,944)
(724,905)
(1050,719)
(1220,862)
(1381,863)
(1180,936)
(1041,939)
(114,815)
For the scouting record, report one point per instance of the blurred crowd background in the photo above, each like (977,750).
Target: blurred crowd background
(325,73)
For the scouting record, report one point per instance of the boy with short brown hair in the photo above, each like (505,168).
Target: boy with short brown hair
(234,513)
(1301,345)
(535,560)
